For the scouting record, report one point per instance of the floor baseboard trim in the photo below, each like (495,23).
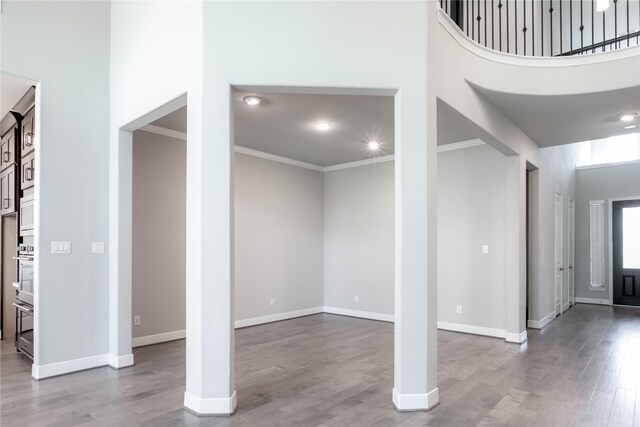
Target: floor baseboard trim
(539,324)
(119,362)
(358,313)
(158,338)
(210,406)
(516,338)
(415,402)
(277,317)
(598,301)
(470,329)
(40,372)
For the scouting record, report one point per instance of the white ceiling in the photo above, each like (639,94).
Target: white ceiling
(12,88)
(564,119)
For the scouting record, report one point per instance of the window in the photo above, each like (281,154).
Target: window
(596,215)
(631,238)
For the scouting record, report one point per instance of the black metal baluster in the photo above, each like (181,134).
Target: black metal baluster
(542,27)
(551,26)
(478,19)
(493,27)
(628,33)
(593,27)
(615,23)
(604,31)
(570,27)
(466,14)
(561,46)
(524,26)
(500,24)
(473,13)
(515,25)
(581,28)
(485,23)
(507,1)
(533,28)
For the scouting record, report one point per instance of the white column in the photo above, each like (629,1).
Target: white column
(210,346)
(516,249)
(415,346)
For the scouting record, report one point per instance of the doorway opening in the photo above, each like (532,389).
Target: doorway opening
(625,251)
(158,262)
(19,198)
(314,236)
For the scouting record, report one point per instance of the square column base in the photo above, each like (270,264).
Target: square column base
(210,406)
(415,402)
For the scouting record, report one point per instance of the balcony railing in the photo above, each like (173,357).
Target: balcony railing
(548,27)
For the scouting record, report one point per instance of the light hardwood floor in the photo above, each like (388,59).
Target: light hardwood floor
(583,369)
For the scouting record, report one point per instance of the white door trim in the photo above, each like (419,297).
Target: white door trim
(557,305)
(571,252)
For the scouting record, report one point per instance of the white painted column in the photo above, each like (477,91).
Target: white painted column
(516,249)
(415,345)
(210,346)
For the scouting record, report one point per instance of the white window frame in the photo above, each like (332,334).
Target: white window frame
(602,286)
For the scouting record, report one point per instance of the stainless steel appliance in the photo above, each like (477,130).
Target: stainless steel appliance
(24,299)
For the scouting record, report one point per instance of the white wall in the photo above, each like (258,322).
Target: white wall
(72,67)
(556,173)
(472,203)
(278,237)
(599,183)
(159,233)
(358,239)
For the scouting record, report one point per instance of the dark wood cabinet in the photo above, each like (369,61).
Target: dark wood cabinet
(8,191)
(27,141)
(27,171)
(8,149)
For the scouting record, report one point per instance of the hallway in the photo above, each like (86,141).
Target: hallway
(583,369)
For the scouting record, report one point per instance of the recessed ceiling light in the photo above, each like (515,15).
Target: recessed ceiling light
(602,5)
(252,100)
(374,145)
(630,127)
(628,117)
(323,126)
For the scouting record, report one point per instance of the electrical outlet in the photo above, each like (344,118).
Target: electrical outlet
(485,249)
(136,320)
(458,309)
(356,298)
(97,247)
(273,302)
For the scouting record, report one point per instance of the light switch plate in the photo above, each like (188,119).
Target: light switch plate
(485,249)
(59,247)
(97,247)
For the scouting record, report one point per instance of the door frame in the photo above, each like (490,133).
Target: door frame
(571,252)
(610,239)
(555,241)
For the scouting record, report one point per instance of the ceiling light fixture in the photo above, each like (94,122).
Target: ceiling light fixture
(602,5)
(628,117)
(323,126)
(374,145)
(252,100)
(630,127)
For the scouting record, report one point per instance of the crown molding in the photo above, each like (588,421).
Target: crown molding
(459,145)
(158,130)
(280,159)
(357,163)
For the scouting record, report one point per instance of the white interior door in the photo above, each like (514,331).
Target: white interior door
(571,252)
(559,269)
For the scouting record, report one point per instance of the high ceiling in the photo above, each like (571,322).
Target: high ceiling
(556,120)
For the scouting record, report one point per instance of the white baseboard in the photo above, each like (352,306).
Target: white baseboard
(358,313)
(158,338)
(539,324)
(40,372)
(210,406)
(583,300)
(415,402)
(470,329)
(276,317)
(516,338)
(118,362)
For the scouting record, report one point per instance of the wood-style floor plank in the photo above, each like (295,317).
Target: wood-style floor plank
(328,370)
